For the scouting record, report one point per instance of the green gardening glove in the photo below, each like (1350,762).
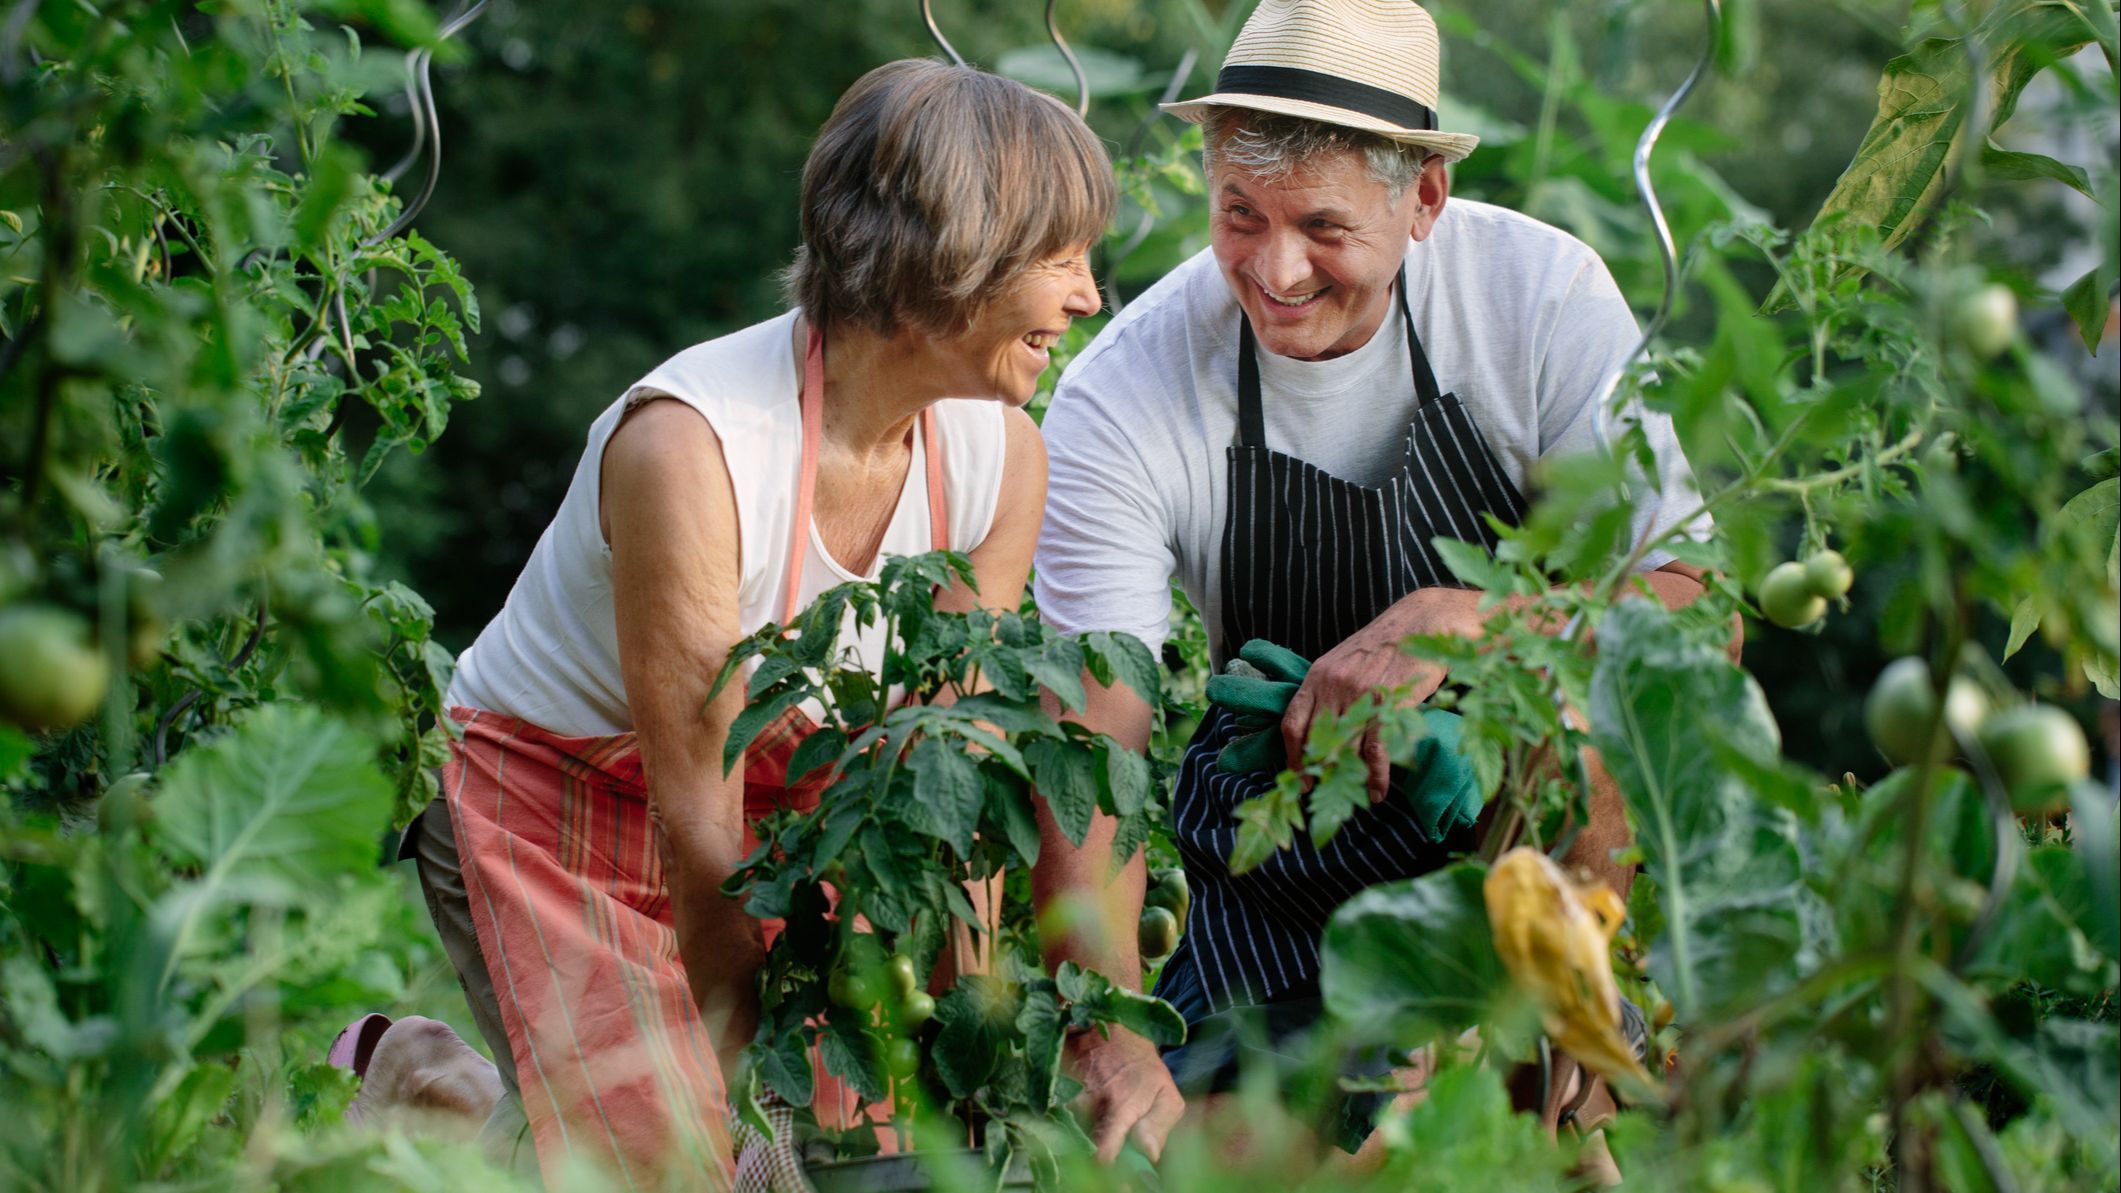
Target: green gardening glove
(1275,662)
(1439,783)
(1256,688)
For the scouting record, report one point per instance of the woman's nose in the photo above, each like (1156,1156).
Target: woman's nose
(1083,299)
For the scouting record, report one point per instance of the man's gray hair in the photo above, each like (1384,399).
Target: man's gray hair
(1269,146)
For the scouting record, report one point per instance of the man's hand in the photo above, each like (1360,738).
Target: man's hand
(1127,1092)
(1371,659)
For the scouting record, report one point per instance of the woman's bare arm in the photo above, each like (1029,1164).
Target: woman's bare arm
(1002,561)
(669,513)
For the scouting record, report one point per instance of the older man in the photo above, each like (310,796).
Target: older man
(1285,424)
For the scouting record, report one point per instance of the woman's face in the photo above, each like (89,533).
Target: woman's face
(1010,344)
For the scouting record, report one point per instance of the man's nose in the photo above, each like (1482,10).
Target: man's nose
(1284,265)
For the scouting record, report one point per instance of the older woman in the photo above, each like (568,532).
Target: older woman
(575,861)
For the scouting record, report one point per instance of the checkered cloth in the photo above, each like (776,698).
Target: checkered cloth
(766,1165)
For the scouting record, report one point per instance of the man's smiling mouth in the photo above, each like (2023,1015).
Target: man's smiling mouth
(1291,301)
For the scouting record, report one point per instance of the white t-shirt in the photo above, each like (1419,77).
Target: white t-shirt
(1521,320)
(551,656)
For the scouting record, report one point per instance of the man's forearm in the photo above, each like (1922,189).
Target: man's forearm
(1088,900)
(1675,589)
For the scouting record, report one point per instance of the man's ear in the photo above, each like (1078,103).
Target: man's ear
(1431,188)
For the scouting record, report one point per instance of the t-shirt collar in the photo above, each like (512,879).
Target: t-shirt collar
(1284,377)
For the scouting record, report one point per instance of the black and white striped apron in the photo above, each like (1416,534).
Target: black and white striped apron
(1307,560)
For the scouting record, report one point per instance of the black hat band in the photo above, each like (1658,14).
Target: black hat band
(1287,82)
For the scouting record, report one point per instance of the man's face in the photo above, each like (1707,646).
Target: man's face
(1312,255)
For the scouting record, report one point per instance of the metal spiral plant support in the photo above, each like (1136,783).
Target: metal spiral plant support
(1082,81)
(1668,253)
(426,122)
(928,19)
(1148,220)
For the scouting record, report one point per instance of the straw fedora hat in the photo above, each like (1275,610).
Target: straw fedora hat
(1364,64)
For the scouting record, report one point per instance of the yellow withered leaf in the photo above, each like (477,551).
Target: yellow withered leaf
(1554,935)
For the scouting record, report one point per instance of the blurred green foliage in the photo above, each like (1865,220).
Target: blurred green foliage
(210,350)
(200,288)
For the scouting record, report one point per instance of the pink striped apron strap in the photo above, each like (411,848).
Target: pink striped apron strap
(813,404)
(938,507)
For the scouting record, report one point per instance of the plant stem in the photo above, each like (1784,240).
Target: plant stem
(1886,455)
(1859,968)
(58,254)
(1902,993)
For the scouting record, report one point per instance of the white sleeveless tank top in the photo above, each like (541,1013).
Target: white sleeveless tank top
(551,656)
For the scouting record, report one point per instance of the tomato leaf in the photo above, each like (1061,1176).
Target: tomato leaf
(1125,776)
(969,1047)
(1726,868)
(1900,169)
(1414,959)
(1066,778)
(2018,166)
(2089,303)
(1123,657)
(289,795)
(1009,802)
(1041,1022)
(849,1053)
(785,1066)
(751,722)
(946,793)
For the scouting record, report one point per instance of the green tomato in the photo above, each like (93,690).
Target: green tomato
(915,1009)
(903,980)
(1787,599)
(143,643)
(1828,575)
(124,803)
(1169,892)
(902,1057)
(54,676)
(1984,320)
(146,630)
(2038,751)
(1158,933)
(1900,706)
(852,989)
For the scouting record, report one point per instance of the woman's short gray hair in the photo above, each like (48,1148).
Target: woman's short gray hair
(1269,146)
(930,192)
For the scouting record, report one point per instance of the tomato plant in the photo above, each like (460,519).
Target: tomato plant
(213,703)
(1828,950)
(933,763)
